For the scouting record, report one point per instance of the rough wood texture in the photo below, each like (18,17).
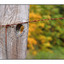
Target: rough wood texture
(22,43)
(10,14)
(2,43)
(16,41)
(11,43)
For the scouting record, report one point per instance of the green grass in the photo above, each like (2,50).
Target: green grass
(58,53)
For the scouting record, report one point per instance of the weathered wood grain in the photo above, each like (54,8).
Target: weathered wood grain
(2,43)
(16,41)
(22,38)
(22,43)
(10,14)
(11,43)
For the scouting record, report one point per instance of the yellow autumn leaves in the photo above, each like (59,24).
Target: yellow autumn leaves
(35,28)
(34,16)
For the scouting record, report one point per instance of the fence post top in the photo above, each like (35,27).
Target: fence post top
(13,14)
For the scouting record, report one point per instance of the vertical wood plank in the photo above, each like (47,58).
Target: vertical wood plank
(2,43)
(22,38)
(11,43)
(22,43)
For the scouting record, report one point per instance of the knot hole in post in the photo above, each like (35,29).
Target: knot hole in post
(19,28)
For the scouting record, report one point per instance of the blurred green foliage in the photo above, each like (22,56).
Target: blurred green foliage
(46,38)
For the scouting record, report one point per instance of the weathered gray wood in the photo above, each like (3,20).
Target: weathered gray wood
(22,43)
(2,43)
(10,14)
(11,43)
(22,38)
(16,41)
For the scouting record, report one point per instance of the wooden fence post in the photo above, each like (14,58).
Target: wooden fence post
(16,41)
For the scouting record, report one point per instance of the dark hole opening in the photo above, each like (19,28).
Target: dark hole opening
(20,28)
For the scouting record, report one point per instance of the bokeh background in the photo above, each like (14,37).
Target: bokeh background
(46,38)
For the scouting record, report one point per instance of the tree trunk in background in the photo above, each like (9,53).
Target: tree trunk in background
(16,41)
